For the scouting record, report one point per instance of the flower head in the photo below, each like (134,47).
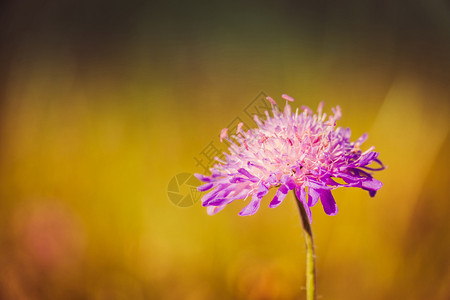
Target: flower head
(298,151)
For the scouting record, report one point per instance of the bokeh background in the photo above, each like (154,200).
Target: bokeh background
(102,103)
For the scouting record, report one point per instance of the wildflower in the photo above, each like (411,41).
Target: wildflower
(299,151)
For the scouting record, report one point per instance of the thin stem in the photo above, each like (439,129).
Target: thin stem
(309,243)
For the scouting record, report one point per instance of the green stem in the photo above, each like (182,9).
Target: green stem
(310,265)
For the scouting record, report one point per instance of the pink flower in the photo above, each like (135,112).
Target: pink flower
(298,151)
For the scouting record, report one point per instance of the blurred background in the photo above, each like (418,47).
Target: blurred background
(103,103)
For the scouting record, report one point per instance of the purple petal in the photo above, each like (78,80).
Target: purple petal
(313,197)
(219,201)
(372,184)
(348,177)
(208,197)
(212,210)
(247,173)
(272,180)
(368,158)
(279,196)
(251,164)
(362,138)
(347,133)
(377,161)
(362,173)
(317,185)
(330,181)
(290,183)
(205,187)
(238,179)
(223,196)
(252,207)
(214,193)
(202,177)
(302,195)
(328,203)
(262,191)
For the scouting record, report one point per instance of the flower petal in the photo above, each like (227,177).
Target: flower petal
(202,177)
(279,196)
(317,185)
(209,196)
(372,193)
(368,158)
(212,210)
(372,184)
(247,173)
(331,181)
(252,207)
(362,138)
(290,183)
(328,203)
(218,201)
(205,187)
(301,196)
(237,179)
(262,191)
(313,197)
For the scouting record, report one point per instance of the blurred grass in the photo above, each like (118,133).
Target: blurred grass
(96,123)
